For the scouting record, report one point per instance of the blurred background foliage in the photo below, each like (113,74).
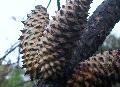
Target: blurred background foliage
(11,76)
(111,42)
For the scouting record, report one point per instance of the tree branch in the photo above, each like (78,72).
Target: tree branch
(18,58)
(49,4)
(11,49)
(98,27)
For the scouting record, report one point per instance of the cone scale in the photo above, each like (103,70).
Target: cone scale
(102,70)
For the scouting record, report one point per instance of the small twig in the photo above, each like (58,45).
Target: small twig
(11,49)
(18,58)
(49,3)
(58,4)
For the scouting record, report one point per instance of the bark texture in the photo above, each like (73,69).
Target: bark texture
(98,27)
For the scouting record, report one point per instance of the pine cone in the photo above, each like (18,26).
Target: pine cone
(34,27)
(60,35)
(102,70)
(46,49)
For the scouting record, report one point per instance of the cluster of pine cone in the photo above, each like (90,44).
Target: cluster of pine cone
(47,46)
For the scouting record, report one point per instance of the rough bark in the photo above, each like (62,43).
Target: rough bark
(98,27)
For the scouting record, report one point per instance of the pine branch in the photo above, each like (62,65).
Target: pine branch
(98,27)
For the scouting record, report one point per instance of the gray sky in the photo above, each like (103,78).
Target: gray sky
(9,28)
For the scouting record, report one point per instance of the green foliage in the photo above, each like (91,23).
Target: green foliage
(111,42)
(14,79)
(15,76)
